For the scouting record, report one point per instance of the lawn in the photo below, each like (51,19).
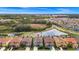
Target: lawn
(28,34)
(70,49)
(5,29)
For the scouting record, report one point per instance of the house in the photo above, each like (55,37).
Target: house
(38,41)
(15,42)
(4,41)
(57,41)
(26,41)
(48,41)
(72,41)
(62,42)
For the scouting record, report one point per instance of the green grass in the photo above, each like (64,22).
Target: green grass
(5,29)
(21,48)
(28,34)
(70,49)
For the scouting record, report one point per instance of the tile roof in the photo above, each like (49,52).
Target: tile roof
(48,40)
(38,41)
(70,40)
(16,39)
(5,40)
(27,41)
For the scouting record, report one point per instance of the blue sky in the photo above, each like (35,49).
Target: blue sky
(39,10)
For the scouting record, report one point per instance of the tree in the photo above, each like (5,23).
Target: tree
(22,27)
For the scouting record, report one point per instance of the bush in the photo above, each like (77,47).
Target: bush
(22,45)
(49,24)
(69,45)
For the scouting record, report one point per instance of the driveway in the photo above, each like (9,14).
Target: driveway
(2,49)
(35,48)
(27,48)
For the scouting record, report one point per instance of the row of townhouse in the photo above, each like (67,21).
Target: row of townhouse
(38,41)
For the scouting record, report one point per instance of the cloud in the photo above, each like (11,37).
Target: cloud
(38,10)
(63,11)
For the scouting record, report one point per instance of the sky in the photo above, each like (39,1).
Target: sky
(39,10)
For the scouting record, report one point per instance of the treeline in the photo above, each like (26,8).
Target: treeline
(21,16)
(28,27)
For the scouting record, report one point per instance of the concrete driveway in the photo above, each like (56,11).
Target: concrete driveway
(2,49)
(61,48)
(27,48)
(35,48)
(53,48)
